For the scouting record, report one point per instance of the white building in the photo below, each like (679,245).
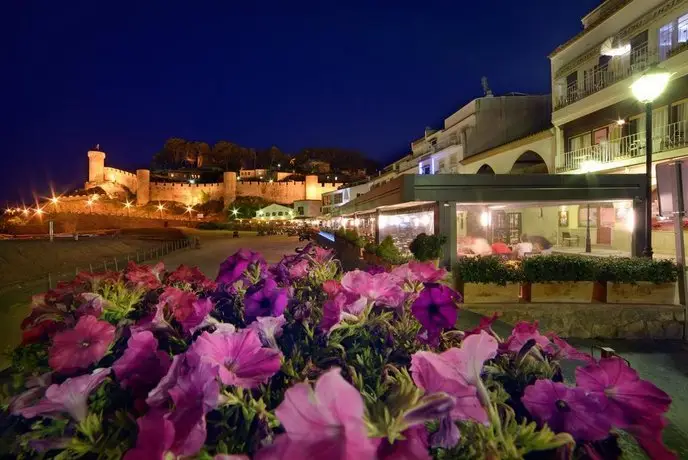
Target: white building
(307,209)
(598,124)
(341,196)
(275,212)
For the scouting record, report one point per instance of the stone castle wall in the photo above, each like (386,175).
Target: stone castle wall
(121,177)
(190,194)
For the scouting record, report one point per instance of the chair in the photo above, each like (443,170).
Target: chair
(568,239)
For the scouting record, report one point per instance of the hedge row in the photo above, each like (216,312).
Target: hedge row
(554,268)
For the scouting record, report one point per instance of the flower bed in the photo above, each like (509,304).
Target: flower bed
(299,360)
(488,279)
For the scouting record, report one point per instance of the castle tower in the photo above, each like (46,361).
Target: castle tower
(312,189)
(229,180)
(142,186)
(96,167)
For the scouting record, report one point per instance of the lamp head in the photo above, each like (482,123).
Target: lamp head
(650,85)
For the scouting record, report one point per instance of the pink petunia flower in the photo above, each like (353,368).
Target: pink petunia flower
(192,276)
(567,409)
(187,308)
(234,268)
(154,439)
(90,303)
(331,288)
(242,359)
(70,397)
(144,276)
(325,422)
(81,346)
(522,333)
(343,304)
(382,288)
(142,365)
(628,397)
(419,272)
(268,328)
(456,372)
(299,269)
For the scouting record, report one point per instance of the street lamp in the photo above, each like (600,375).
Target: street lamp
(127,205)
(646,89)
(161,208)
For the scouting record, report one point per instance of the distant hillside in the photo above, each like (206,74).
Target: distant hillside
(228,156)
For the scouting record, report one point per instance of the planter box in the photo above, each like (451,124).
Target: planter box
(490,293)
(565,291)
(643,292)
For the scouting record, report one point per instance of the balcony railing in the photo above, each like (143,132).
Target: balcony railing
(592,158)
(448,141)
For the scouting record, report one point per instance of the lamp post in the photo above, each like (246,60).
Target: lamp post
(646,89)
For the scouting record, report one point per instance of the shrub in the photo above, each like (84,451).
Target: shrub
(370,247)
(388,252)
(632,270)
(487,269)
(427,247)
(553,268)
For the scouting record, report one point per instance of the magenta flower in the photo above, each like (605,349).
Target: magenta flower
(36,387)
(343,304)
(381,289)
(457,373)
(235,266)
(182,366)
(374,269)
(627,397)
(332,288)
(81,346)
(561,349)
(299,269)
(419,272)
(268,328)
(485,324)
(522,333)
(448,434)
(566,409)
(414,446)
(322,255)
(71,396)
(187,308)
(242,360)
(142,365)
(328,419)
(265,299)
(144,276)
(90,303)
(154,439)
(648,434)
(192,276)
(435,309)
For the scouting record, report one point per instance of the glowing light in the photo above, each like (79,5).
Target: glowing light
(39,211)
(589,166)
(161,207)
(271,181)
(279,165)
(425,219)
(54,200)
(25,211)
(95,197)
(620,122)
(192,181)
(235,211)
(89,203)
(649,86)
(485,218)
(189,209)
(127,204)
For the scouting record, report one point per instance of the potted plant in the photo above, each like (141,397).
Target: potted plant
(369,253)
(639,280)
(488,279)
(389,254)
(561,278)
(426,247)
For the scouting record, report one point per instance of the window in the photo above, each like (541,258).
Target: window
(600,136)
(426,169)
(301,213)
(639,49)
(665,40)
(683,29)
(579,142)
(280,213)
(571,84)
(274,213)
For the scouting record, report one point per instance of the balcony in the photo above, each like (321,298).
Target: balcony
(595,157)
(428,147)
(638,60)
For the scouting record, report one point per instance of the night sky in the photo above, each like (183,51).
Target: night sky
(362,75)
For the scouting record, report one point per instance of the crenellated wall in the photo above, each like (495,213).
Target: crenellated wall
(228,190)
(185,193)
(121,177)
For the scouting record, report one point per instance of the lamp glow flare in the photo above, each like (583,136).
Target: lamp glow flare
(648,87)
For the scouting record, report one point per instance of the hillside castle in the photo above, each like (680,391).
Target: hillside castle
(140,184)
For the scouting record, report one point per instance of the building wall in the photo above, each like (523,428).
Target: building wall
(311,208)
(500,120)
(503,158)
(185,193)
(121,177)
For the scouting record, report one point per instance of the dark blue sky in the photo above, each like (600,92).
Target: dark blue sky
(362,75)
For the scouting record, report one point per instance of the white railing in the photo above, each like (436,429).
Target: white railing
(617,69)
(667,137)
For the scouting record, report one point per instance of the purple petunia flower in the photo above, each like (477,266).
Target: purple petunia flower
(234,268)
(627,397)
(182,366)
(90,303)
(268,328)
(242,360)
(154,439)
(71,396)
(375,269)
(343,304)
(414,446)
(566,409)
(142,365)
(448,434)
(327,419)
(435,309)
(265,299)
(36,387)
(81,346)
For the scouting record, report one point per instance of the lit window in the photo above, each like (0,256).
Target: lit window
(683,29)
(666,36)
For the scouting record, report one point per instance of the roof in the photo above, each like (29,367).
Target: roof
(592,26)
